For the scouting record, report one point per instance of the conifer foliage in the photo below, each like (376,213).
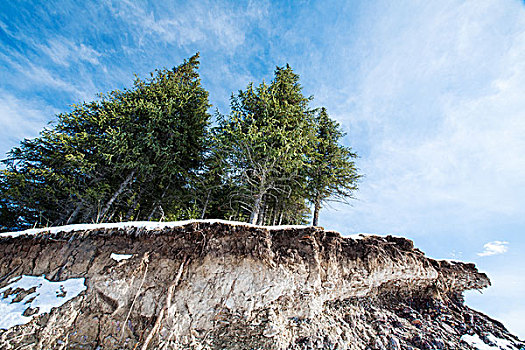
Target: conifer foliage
(147,153)
(332,174)
(282,155)
(133,155)
(264,142)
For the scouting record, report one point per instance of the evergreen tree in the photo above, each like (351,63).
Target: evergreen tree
(332,174)
(264,141)
(132,155)
(145,154)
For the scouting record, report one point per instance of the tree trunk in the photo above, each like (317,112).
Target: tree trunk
(205,205)
(281,214)
(75,213)
(158,205)
(254,216)
(162,214)
(155,207)
(317,208)
(121,189)
(133,208)
(111,216)
(274,213)
(262,214)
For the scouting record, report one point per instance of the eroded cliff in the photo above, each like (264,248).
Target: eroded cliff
(217,285)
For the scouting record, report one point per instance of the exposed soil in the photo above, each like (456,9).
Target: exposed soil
(222,286)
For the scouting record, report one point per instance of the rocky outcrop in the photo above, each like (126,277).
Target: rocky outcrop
(216,285)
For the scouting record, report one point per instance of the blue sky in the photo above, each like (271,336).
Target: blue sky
(431,95)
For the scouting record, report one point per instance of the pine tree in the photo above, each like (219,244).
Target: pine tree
(264,141)
(332,174)
(145,154)
(133,154)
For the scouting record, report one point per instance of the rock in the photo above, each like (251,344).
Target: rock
(30,311)
(417,323)
(271,331)
(393,343)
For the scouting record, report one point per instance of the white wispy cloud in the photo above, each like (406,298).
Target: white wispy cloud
(21,119)
(494,248)
(28,74)
(64,51)
(439,98)
(208,23)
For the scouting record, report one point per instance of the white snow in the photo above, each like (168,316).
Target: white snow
(120,257)
(502,343)
(149,225)
(358,236)
(46,296)
(475,341)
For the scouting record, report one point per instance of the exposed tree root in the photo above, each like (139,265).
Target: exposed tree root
(167,304)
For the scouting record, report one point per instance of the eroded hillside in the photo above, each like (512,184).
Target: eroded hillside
(218,285)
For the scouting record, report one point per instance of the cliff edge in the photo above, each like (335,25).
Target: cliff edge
(220,285)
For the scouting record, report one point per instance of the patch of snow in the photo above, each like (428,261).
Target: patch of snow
(149,225)
(46,296)
(358,236)
(502,343)
(120,257)
(476,342)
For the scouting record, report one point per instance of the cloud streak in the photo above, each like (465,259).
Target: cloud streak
(63,52)
(219,25)
(439,116)
(21,119)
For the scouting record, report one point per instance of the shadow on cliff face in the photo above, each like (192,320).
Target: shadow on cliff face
(233,286)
